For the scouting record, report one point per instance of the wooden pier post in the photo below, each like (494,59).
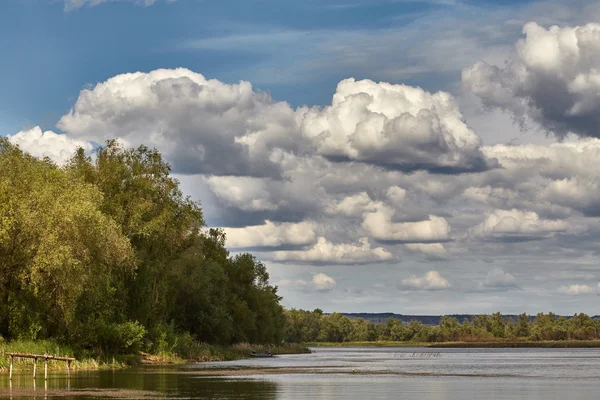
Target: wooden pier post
(10,368)
(69,369)
(34,366)
(46,368)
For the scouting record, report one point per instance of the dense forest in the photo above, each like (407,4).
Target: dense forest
(106,254)
(315,326)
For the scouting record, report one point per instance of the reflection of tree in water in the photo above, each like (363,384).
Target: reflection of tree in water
(214,388)
(167,380)
(139,383)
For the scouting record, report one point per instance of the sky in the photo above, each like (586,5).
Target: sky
(416,157)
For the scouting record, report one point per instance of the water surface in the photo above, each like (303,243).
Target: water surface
(342,373)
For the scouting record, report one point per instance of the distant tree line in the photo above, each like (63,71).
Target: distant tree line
(107,254)
(315,326)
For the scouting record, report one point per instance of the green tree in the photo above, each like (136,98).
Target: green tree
(57,248)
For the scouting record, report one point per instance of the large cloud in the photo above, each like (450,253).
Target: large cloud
(517,225)
(551,180)
(553,78)
(432,280)
(202,126)
(394,126)
(326,252)
(210,127)
(59,148)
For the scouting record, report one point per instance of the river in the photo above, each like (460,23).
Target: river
(341,373)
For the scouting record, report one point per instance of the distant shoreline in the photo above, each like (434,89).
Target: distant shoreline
(553,344)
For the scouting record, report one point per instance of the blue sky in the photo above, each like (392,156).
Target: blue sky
(455,172)
(49,54)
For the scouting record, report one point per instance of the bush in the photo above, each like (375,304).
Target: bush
(129,336)
(164,339)
(110,338)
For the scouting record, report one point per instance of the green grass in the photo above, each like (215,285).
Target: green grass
(47,347)
(196,352)
(203,352)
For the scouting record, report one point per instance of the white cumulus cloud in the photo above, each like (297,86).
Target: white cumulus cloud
(433,251)
(432,280)
(553,78)
(271,235)
(320,282)
(200,125)
(323,283)
(58,147)
(577,290)
(352,206)
(517,225)
(379,225)
(326,252)
(396,194)
(576,193)
(498,278)
(395,126)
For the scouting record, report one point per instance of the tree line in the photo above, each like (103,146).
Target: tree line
(107,254)
(315,326)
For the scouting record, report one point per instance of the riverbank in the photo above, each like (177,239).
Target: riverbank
(550,344)
(199,352)
(379,343)
(202,352)
(484,344)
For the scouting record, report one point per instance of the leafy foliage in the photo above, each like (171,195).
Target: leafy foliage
(107,254)
(314,326)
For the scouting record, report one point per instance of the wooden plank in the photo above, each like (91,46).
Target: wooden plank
(46,357)
(49,357)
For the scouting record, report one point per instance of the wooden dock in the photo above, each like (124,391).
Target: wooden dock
(35,357)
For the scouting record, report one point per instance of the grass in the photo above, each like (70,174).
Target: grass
(193,352)
(203,352)
(48,347)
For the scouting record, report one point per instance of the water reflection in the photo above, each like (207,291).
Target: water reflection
(135,383)
(327,374)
